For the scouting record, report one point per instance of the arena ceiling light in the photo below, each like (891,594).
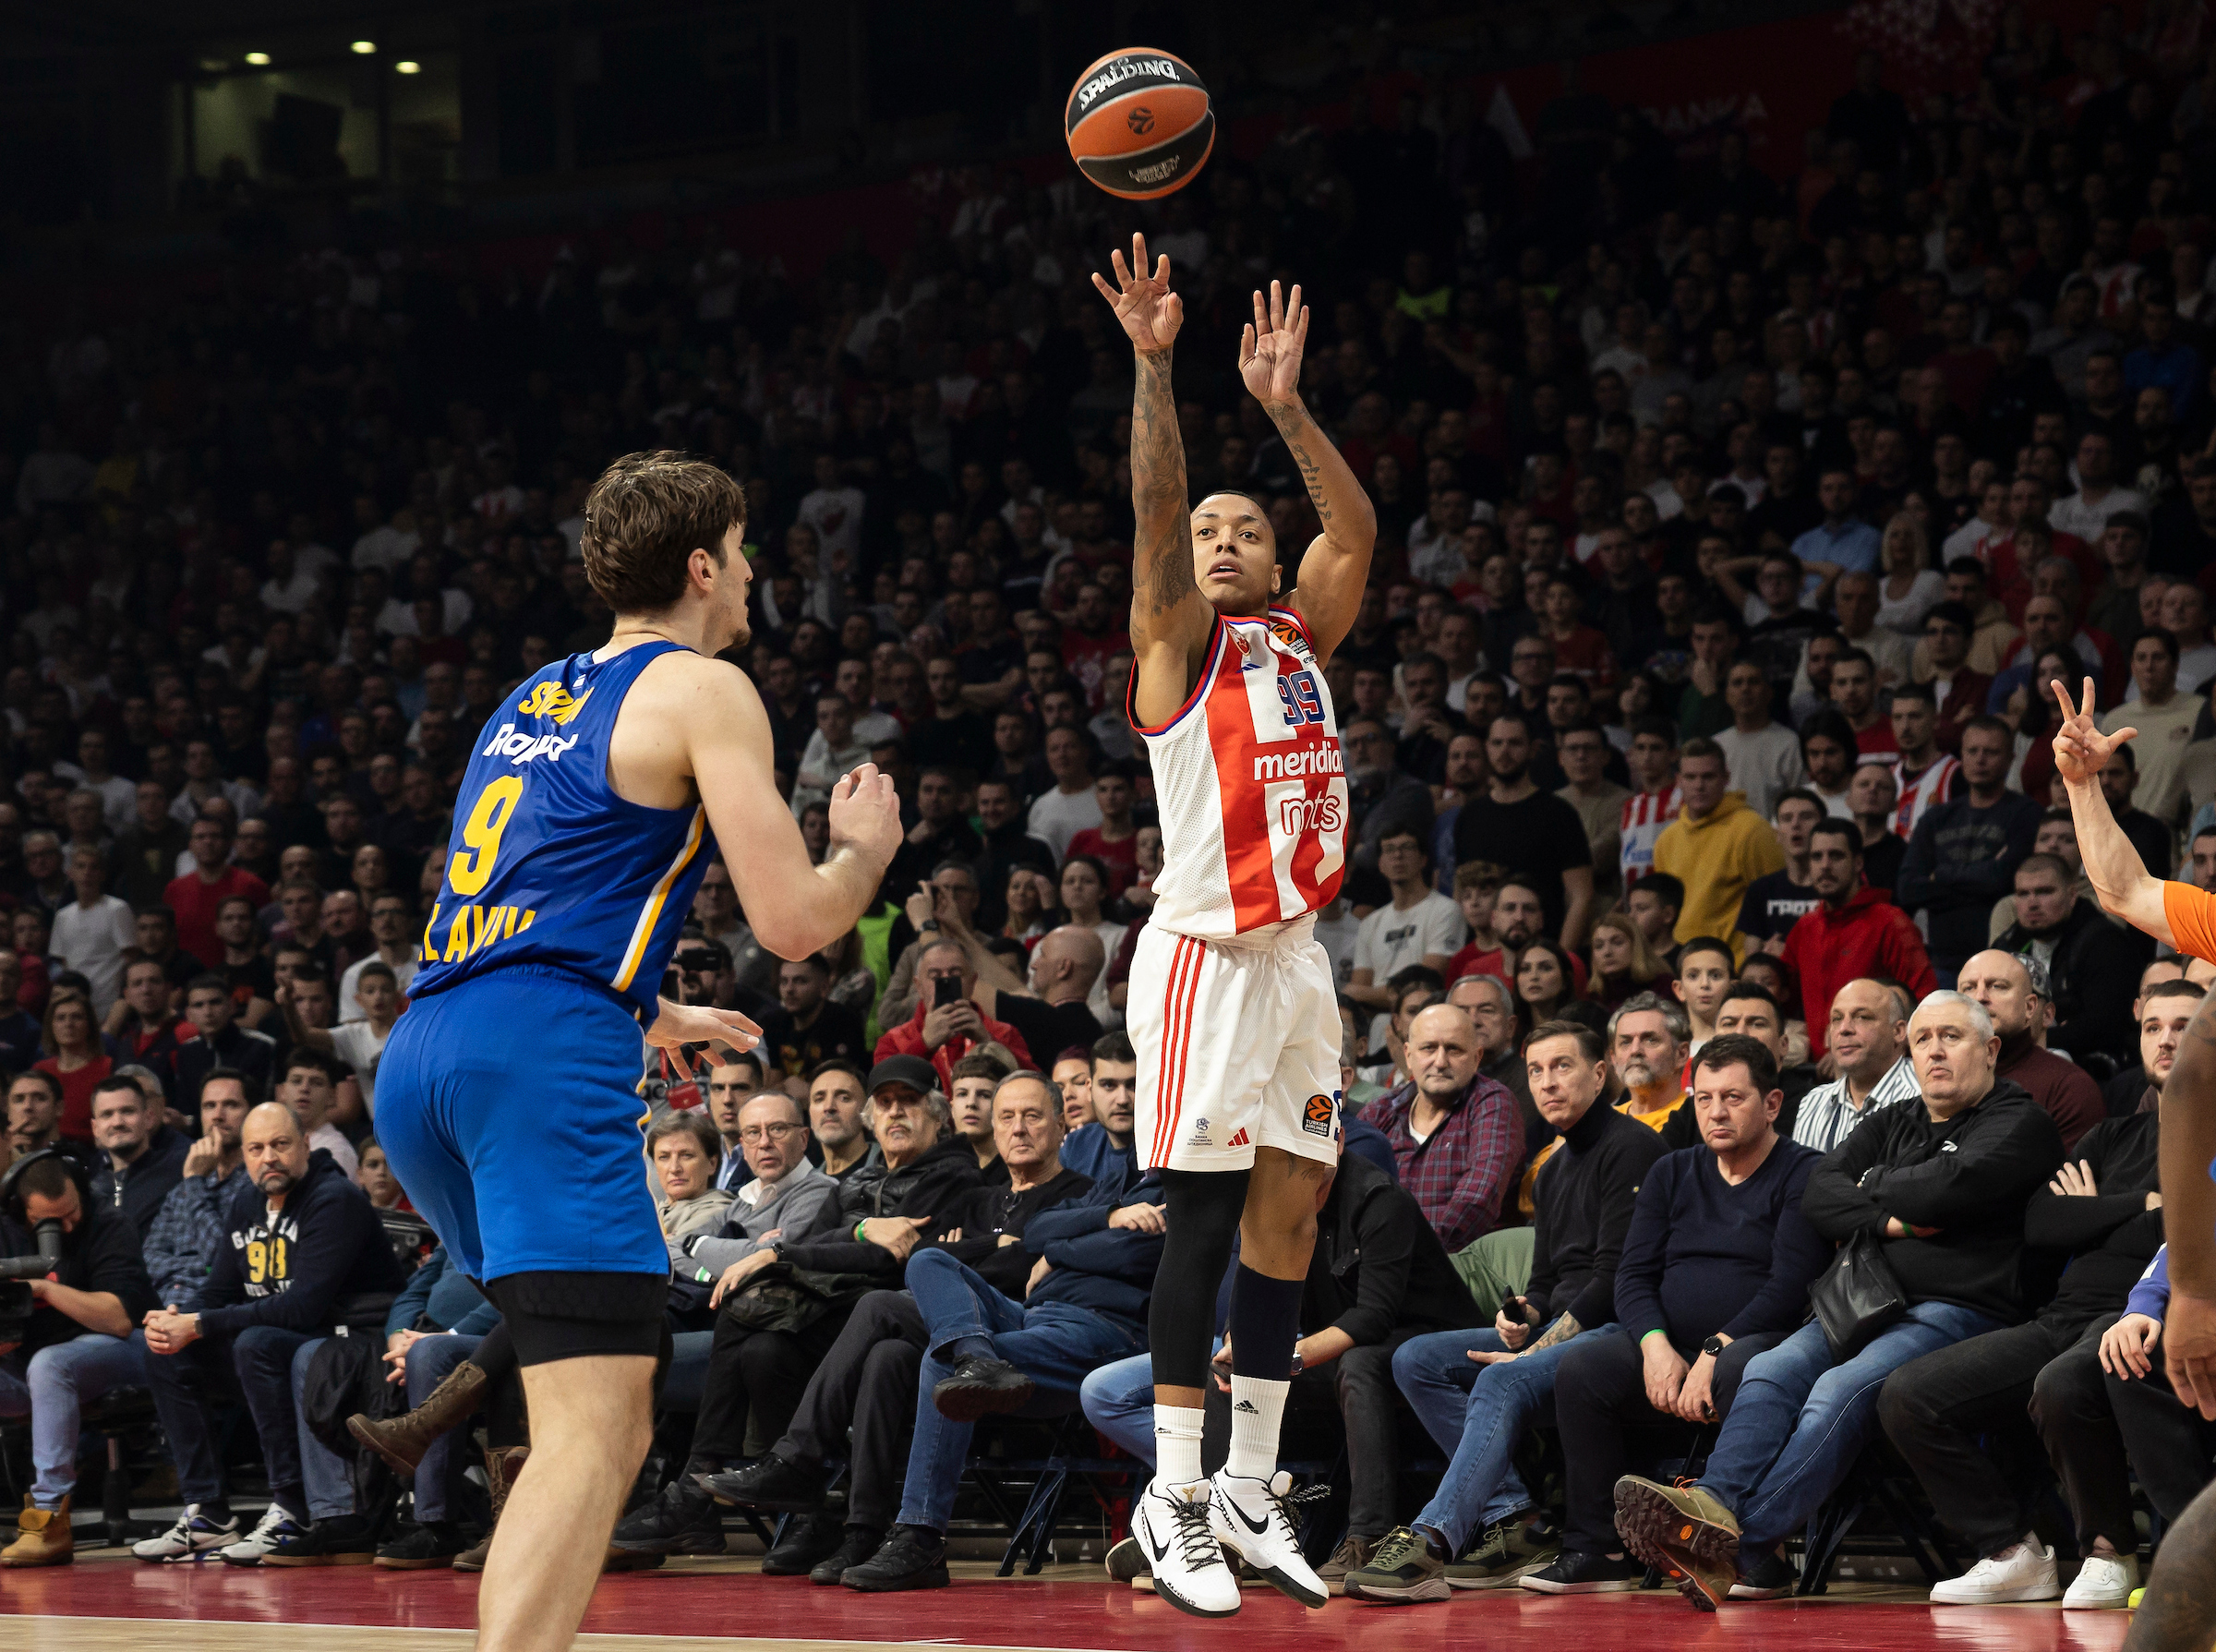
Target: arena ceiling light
(363,48)
(213,66)
(407,67)
(260,60)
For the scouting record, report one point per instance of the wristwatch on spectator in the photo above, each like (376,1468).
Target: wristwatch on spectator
(1713,1347)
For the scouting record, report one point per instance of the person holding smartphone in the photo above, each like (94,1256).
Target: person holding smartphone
(946,1024)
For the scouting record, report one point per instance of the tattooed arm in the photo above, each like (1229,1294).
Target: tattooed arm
(1337,564)
(1171,623)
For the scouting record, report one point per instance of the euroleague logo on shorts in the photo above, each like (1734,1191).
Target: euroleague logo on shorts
(1319,1115)
(1323,814)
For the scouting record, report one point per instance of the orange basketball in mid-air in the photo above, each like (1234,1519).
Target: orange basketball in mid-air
(1140,124)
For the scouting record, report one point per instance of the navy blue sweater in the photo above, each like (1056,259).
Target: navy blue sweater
(1704,1256)
(1091,1265)
(298,1268)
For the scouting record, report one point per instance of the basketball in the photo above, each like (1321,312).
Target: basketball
(1138,123)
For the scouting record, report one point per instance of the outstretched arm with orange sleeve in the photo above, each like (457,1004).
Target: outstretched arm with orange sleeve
(2175,914)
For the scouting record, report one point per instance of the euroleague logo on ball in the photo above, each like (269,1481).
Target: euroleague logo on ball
(1140,121)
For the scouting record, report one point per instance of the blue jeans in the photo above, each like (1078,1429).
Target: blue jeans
(1055,1344)
(326,1477)
(1798,1421)
(1118,1400)
(51,1386)
(430,1361)
(257,1363)
(1478,1413)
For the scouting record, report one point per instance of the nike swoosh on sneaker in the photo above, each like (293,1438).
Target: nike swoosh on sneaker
(1161,1552)
(1257,1527)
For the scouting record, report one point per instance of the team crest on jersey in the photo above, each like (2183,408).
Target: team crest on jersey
(1322,1113)
(553,701)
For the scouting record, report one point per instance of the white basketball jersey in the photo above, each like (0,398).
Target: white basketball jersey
(1251,785)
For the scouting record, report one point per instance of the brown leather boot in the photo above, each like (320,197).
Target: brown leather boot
(401,1441)
(501,1467)
(44,1538)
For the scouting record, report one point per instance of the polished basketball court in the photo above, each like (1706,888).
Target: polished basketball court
(101,1603)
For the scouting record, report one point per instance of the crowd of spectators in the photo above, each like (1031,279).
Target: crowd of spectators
(1710,898)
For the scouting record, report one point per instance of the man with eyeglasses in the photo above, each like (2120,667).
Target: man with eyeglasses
(731,1084)
(788,1201)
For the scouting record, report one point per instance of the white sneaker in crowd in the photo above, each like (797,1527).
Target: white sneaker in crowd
(2023,1573)
(193,1537)
(2103,1583)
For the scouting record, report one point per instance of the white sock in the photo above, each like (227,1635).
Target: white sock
(1256,1404)
(1177,1444)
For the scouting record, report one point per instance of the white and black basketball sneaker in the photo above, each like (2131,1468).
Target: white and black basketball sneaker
(193,1537)
(1170,1524)
(1254,1518)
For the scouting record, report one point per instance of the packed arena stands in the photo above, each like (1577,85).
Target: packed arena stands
(1737,524)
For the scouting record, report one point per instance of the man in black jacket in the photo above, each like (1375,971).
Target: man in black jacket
(926,1189)
(1963,855)
(141,1158)
(72,1346)
(1475,1391)
(1940,1188)
(2091,964)
(306,1253)
(1715,1271)
(2103,1211)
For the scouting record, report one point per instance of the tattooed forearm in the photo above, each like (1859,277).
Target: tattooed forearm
(1161,546)
(1561,1330)
(1341,507)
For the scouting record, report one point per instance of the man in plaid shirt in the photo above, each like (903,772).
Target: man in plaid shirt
(1457,1135)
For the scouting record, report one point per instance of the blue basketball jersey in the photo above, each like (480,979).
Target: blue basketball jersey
(546,864)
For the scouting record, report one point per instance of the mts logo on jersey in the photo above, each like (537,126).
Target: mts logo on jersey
(554,703)
(1298,814)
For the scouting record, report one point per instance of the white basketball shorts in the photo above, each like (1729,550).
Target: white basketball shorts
(1238,1048)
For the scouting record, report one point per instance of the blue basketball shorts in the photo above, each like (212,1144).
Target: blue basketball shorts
(508,1109)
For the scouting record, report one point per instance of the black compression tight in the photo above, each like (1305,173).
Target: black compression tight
(1202,1207)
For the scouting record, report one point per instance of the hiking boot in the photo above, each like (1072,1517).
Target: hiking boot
(401,1441)
(347,1541)
(44,1538)
(422,1547)
(855,1545)
(911,1556)
(1352,1553)
(1400,1572)
(981,1387)
(1662,1524)
(501,1467)
(195,1536)
(1579,1573)
(1509,1552)
(769,1482)
(683,1520)
(807,1539)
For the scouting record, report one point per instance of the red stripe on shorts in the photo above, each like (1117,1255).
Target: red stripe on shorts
(1177,1031)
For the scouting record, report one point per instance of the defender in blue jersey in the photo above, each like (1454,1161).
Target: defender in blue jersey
(507,1099)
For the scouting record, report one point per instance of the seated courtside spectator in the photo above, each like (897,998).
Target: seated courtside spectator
(1954,1413)
(1715,1270)
(1869,1040)
(1456,1136)
(1475,1391)
(1944,1183)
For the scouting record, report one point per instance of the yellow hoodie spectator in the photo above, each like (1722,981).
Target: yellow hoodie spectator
(1716,851)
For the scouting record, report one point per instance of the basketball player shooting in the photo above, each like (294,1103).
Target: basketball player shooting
(507,1099)
(1232,1006)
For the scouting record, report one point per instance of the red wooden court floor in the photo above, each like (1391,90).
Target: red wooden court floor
(1074,1611)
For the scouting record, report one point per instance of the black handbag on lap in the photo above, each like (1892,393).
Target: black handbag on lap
(1857,1296)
